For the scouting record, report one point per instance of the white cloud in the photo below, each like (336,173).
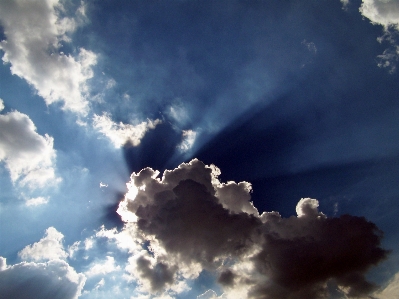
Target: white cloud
(187,143)
(391,291)
(385,13)
(3,263)
(50,247)
(1,105)
(28,156)
(119,133)
(106,267)
(37,201)
(209,294)
(34,32)
(52,280)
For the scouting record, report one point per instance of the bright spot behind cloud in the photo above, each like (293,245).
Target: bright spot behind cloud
(190,222)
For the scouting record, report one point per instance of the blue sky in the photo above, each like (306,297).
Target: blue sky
(199,149)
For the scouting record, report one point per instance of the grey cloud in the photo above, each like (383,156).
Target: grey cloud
(190,218)
(159,275)
(226,278)
(52,280)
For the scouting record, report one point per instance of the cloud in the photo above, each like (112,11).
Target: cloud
(391,291)
(1,105)
(120,134)
(106,267)
(28,156)
(345,3)
(385,13)
(36,201)
(35,32)
(188,219)
(52,280)
(50,247)
(187,143)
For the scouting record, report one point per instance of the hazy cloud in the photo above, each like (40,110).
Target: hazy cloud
(36,201)
(34,33)
(103,268)
(188,137)
(50,247)
(28,156)
(190,219)
(119,133)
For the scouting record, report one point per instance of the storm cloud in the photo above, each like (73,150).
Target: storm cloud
(189,219)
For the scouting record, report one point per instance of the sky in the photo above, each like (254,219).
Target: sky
(199,149)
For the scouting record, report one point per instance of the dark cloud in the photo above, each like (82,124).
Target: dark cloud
(226,278)
(52,280)
(159,275)
(192,219)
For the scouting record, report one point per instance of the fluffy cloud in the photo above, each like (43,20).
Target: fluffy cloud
(28,156)
(120,133)
(53,280)
(34,33)
(385,13)
(188,219)
(50,247)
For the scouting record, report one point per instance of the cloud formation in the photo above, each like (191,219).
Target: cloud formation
(119,133)
(35,32)
(385,13)
(51,280)
(50,247)
(190,222)
(28,156)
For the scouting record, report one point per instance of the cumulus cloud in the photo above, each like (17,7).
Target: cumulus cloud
(50,247)
(119,133)
(189,221)
(34,33)
(28,156)
(51,280)
(385,13)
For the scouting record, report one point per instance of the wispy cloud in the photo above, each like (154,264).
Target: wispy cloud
(119,133)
